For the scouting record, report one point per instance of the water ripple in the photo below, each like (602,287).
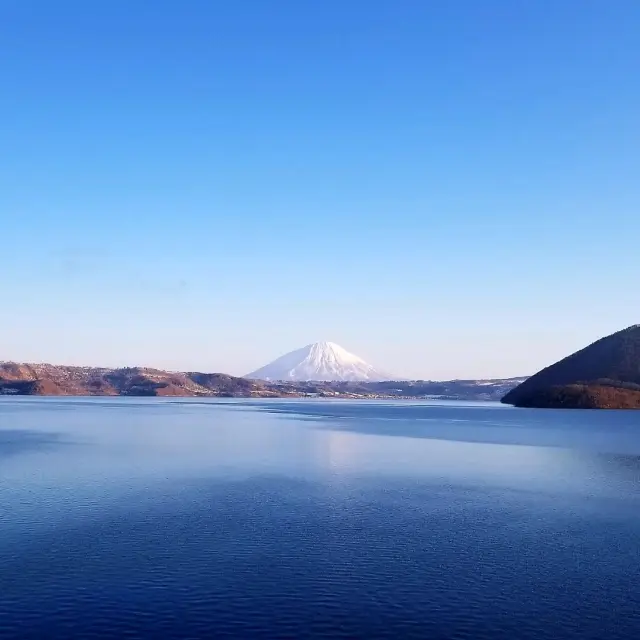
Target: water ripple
(275,558)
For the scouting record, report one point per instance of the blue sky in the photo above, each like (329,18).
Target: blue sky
(448,189)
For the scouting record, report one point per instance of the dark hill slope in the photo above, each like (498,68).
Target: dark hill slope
(606,374)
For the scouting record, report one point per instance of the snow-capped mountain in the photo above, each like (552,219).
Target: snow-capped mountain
(319,361)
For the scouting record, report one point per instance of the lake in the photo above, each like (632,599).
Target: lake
(189,518)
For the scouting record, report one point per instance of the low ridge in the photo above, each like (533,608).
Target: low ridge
(60,380)
(18,379)
(603,375)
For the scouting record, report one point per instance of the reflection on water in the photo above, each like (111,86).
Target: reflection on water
(184,518)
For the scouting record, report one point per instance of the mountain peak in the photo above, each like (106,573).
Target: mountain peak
(321,361)
(325,344)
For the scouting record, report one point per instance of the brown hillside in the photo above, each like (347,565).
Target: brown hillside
(606,374)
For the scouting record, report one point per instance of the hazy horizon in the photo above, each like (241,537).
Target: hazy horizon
(447,190)
(114,363)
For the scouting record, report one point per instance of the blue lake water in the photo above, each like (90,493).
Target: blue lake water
(128,517)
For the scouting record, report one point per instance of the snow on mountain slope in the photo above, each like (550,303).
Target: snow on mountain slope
(319,361)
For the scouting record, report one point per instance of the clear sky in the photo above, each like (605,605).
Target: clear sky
(447,189)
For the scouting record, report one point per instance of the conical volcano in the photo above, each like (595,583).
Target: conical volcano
(322,361)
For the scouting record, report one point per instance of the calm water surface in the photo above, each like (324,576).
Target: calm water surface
(190,519)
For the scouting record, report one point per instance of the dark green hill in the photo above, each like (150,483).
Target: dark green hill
(606,375)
